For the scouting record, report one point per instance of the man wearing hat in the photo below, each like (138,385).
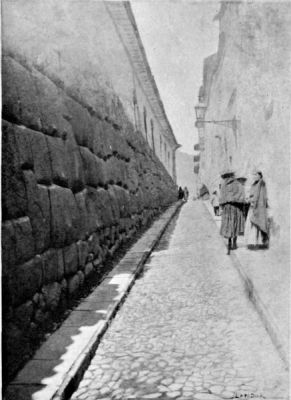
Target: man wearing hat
(232,200)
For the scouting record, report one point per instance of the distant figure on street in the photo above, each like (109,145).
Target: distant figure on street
(180,193)
(215,202)
(232,199)
(186,193)
(257,234)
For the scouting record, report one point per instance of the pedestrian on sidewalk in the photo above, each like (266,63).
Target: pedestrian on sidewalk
(232,199)
(186,193)
(180,193)
(242,179)
(257,233)
(215,203)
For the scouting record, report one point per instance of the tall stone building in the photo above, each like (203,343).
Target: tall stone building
(244,102)
(88,154)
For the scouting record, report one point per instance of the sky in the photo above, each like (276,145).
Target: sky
(177,36)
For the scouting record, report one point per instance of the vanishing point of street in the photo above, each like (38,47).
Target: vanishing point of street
(187,329)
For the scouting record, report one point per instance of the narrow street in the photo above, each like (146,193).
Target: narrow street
(187,329)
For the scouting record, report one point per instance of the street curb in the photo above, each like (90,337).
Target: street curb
(25,389)
(259,305)
(79,367)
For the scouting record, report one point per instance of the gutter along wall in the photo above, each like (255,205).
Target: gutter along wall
(78,178)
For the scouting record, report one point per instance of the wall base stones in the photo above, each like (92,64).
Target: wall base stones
(76,186)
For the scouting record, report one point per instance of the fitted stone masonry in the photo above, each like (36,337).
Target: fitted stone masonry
(78,180)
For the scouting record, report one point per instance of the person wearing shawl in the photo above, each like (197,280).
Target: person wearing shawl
(257,221)
(232,200)
(180,193)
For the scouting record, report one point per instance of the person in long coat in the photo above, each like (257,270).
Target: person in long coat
(232,200)
(186,193)
(180,193)
(215,203)
(257,233)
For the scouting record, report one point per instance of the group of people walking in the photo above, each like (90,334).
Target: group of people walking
(183,194)
(241,215)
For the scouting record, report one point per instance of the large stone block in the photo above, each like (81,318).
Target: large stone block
(83,251)
(93,209)
(115,198)
(20,96)
(52,107)
(116,171)
(75,171)
(140,200)
(58,160)
(23,314)
(94,244)
(124,201)
(14,200)
(73,284)
(81,123)
(52,295)
(41,157)
(26,280)
(71,259)
(19,142)
(116,142)
(88,269)
(93,168)
(65,218)
(104,208)
(29,150)
(86,224)
(38,211)
(53,265)
(101,139)
(132,179)
(8,247)
(24,241)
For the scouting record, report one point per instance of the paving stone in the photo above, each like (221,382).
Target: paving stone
(216,389)
(173,395)
(185,328)
(175,386)
(167,381)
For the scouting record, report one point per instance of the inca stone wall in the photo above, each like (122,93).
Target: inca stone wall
(77,181)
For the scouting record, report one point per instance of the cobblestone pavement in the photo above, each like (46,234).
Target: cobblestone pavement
(187,329)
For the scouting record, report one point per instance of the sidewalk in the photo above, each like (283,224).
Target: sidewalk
(267,277)
(57,367)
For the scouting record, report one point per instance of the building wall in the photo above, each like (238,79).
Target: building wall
(250,81)
(78,180)
(148,124)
